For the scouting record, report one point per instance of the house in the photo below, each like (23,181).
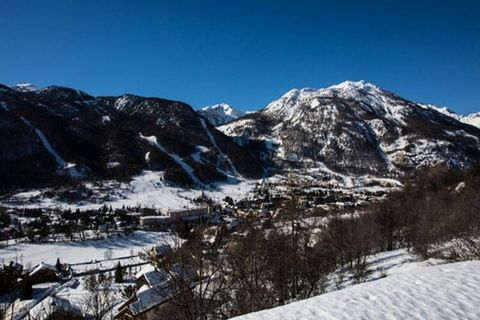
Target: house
(43,273)
(44,309)
(155,288)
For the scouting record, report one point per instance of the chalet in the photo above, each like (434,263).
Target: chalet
(154,290)
(43,273)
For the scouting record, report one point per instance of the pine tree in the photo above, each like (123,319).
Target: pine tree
(26,290)
(119,273)
(58,265)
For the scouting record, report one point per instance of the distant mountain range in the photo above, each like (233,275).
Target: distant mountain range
(60,135)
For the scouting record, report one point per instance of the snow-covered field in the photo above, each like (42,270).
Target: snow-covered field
(147,189)
(86,251)
(447,291)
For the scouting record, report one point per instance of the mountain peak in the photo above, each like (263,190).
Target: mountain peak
(225,107)
(355,90)
(220,113)
(353,85)
(24,87)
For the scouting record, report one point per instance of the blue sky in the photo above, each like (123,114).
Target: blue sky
(246,53)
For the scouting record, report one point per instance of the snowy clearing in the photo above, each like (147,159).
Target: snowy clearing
(147,189)
(76,252)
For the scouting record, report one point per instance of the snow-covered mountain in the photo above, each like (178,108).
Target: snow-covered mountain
(473,119)
(24,87)
(220,114)
(355,127)
(52,135)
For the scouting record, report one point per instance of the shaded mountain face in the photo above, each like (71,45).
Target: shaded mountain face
(220,114)
(57,135)
(357,128)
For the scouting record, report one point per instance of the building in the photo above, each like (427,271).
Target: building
(155,288)
(170,217)
(43,273)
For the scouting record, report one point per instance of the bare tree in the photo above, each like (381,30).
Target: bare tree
(195,280)
(99,300)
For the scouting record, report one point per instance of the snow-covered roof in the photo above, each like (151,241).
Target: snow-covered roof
(42,266)
(145,269)
(150,297)
(153,277)
(44,309)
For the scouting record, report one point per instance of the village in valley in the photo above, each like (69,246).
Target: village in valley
(49,254)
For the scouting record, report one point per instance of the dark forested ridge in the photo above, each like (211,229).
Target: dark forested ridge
(52,135)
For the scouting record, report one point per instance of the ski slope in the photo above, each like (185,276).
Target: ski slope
(448,291)
(61,163)
(214,143)
(189,170)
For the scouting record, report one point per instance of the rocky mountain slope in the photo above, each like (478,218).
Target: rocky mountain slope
(58,135)
(220,114)
(355,128)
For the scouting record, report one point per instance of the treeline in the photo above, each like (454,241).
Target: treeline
(437,214)
(288,257)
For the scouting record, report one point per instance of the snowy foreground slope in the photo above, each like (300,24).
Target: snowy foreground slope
(448,291)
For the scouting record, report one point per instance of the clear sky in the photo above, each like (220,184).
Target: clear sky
(246,53)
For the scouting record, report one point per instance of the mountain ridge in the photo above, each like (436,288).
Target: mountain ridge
(46,132)
(356,127)
(352,128)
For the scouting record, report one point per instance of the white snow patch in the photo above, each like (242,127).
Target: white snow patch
(113,164)
(24,87)
(460,186)
(197,155)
